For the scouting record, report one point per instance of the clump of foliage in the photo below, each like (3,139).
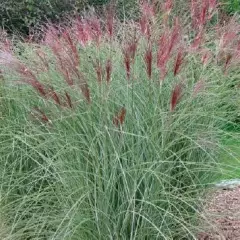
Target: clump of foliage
(111,130)
(21,16)
(231,6)
(24,15)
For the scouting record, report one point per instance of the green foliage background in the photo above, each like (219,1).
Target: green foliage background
(23,14)
(18,16)
(232,6)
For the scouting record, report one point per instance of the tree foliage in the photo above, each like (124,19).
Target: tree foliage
(21,15)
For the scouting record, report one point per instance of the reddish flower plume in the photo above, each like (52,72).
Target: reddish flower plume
(110,19)
(143,22)
(212,3)
(39,87)
(30,78)
(132,48)
(178,62)
(227,62)
(96,30)
(176,96)
(51,38)
(200,11)
(127,62)
(148,61)
(41,115)
(194,12)
(83,32)
(98,69)
(120,117)
(203,12)
(73,48)
(162,54)
(129,52)
(197,40)
(67,75)
(212,7)
(42,56)
(174,36)
(84,86)
(167,6)
(86,93)
(147,9)
(108,70)
(54,96)
(227,39)
(148,13)
(199,86)
(145,26)
(168,41)
(206,55)
(65,66)
(66,53)
(69,101)
(27,76)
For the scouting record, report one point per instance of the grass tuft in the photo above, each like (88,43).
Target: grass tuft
(86,158)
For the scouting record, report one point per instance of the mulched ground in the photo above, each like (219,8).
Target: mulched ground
(222,215)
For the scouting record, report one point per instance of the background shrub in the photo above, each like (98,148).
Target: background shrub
(22,15)
(231,6)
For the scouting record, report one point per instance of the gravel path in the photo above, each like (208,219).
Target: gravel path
(222,213)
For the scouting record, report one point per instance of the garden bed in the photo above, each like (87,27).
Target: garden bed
(222,214)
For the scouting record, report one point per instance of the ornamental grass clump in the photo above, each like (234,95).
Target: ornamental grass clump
(113,130)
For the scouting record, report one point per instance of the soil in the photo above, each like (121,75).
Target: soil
(222,215)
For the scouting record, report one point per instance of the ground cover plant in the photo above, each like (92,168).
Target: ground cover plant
(112,130)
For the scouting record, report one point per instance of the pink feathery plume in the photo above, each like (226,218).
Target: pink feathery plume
(147,9)
(98,69)
(167,6)
(110,19)
(73,47)
(41,115)
(108,70)
(227,62)
(148,57)
(69,101)
(197,40)
(54,96)
(129,52)
(198,87)
(120,117)
(96,30)
(83,32)
(206,56)
(176,96)
(178,62)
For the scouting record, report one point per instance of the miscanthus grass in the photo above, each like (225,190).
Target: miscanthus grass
(113,131)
